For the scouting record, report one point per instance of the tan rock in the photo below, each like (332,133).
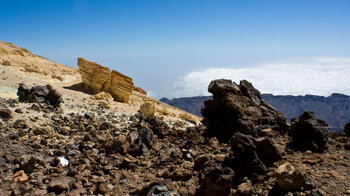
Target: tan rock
(102,96)
(20,176)
(288,177)
(245,188)
(99,78)
(121,86)
(94,76)
(148,107)
(140,90)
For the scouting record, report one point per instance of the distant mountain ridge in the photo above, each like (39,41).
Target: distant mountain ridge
(334,109)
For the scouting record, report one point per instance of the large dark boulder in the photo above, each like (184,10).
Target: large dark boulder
(39,94)
(253,155)
(239,108)
(309,133)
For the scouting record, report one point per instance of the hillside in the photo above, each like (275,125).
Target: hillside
(64,131)
(335,109)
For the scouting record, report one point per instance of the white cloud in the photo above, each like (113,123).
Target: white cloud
(318,76)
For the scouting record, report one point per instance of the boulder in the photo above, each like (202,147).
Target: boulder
(347,129)
(239,108)
(309,133)
(288,177)
(99,78)
(94,76)
(147,108)
(39,94)
(253,155)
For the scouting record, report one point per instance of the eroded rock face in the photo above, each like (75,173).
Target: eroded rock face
(99,78)
(39,94)
(238,108)
(309,133)
(94,76)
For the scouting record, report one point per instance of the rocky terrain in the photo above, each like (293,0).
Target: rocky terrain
(59,138)
(334,109)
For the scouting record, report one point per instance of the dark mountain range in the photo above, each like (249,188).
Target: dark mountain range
(335,109)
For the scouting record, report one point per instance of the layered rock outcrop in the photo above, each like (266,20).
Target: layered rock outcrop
(99,78)
(238,108)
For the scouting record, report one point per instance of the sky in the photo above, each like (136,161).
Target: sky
(174,48)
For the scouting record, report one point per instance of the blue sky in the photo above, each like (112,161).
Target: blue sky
(161,42)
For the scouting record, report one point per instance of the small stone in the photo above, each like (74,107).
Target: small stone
(245,188)
(20,176)
(309,184)
(38,131)
(35,107)
(200,161)
(5,113)
(288,177)
(19,110)
(89,115)
(60,184)
(101,189)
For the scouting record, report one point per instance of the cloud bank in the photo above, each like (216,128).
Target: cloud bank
(318,76)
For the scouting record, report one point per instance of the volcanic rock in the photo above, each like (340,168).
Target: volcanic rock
(39,94)
(347,129)
(5,113)
(288,177)
(238,108)
(309,133)
(99,78)
(215,181)
(253,155)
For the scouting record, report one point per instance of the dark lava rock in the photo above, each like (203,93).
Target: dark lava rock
(238,108)
(101,189)
(140,141)
(215,181)
(201,161)
(158,127)
(60,184)
(309,133)
(253,155)
(39,94)
(89,115)
(5,113)
(347,129)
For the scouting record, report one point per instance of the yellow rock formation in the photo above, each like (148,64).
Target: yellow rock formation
(99,78)
(94,76)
